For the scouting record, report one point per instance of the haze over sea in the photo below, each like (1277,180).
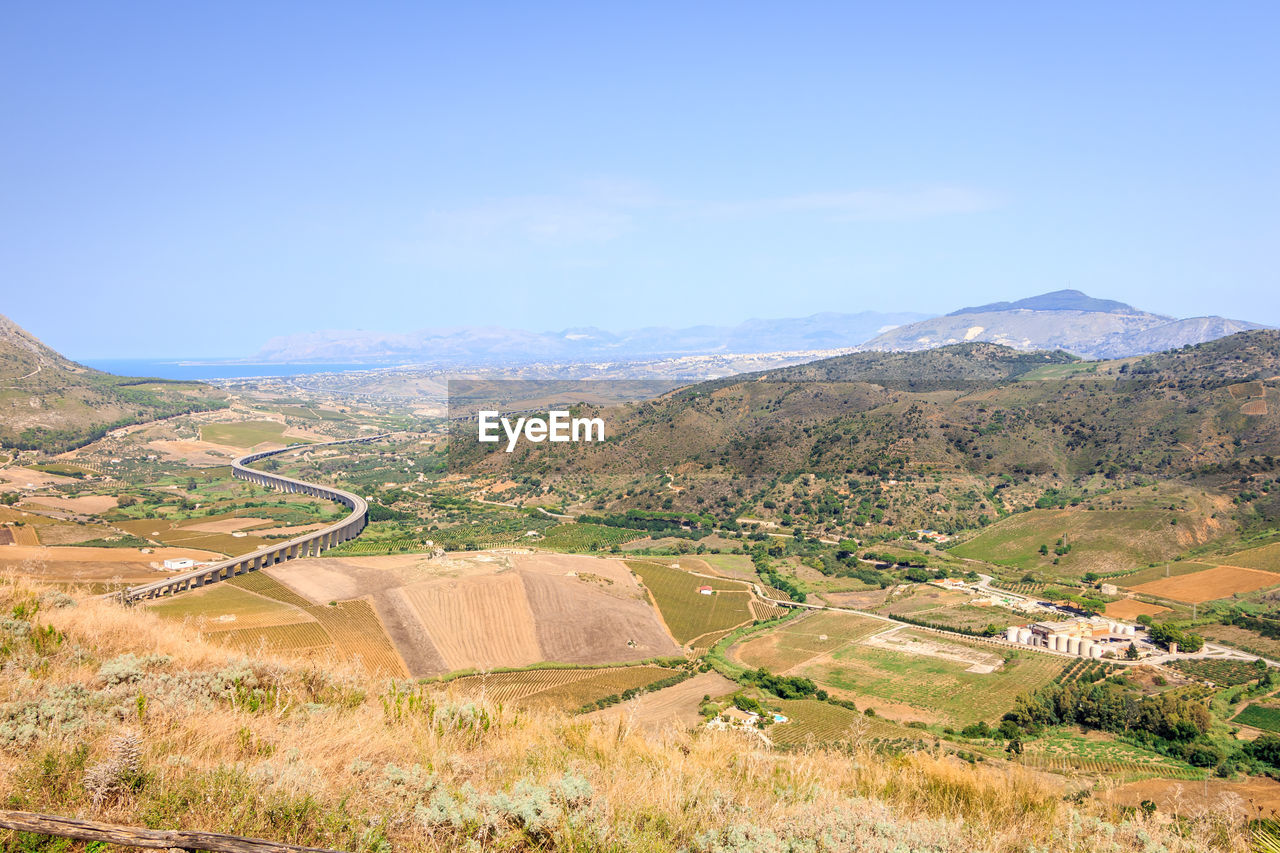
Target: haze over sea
(201,370)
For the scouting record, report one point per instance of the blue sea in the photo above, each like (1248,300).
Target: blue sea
(196,369)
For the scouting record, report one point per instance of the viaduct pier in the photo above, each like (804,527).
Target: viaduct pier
(308,545)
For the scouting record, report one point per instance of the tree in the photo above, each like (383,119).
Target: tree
(1132,652)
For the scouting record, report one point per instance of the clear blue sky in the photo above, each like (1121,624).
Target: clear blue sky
(191,179)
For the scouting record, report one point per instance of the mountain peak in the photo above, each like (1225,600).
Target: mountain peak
(1058,300)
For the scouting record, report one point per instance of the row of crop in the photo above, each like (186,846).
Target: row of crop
(1227,673)
(633,692)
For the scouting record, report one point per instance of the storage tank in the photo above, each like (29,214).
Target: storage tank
(1073,645)
(1131,630)
(1024,636)
(1011,633)
(1096,651)
(1086,648)
(1113,628)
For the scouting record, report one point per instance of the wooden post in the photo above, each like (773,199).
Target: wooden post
(156,839)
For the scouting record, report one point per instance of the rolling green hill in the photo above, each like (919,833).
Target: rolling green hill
(948,439)
(50,403)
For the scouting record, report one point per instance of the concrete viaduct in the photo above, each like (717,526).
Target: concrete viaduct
(307,545)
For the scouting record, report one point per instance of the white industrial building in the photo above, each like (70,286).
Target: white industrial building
(1087,637)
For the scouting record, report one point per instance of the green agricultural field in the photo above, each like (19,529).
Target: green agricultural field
(577,538)
(223,606)
(246,433)
(173,533)
(972,617)
(940,689)
(794,643)
(1227,673)
(733,565)
(1101,541)
(1172,569)
(1265,717)
(687,613)
(1266,558)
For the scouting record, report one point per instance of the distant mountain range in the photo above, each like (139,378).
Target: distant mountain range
(1065,319)
(490,344)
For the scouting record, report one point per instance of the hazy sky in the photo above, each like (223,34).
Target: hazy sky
(191,179)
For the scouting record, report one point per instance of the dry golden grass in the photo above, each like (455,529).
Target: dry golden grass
(330,756)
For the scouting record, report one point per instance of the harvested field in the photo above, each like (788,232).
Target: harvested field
(1211,584)
(26,478)
(174,533)
(672,706)
(203,454)
(1131,608)
(228,525)
(736,566)
(78,564)
(478,622)
(288,532)
(493,609)
(87,504)
(865,600)
(578,622)
(1201,796)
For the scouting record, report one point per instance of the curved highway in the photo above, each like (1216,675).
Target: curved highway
(308,545)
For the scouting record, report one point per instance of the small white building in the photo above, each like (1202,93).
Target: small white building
(705,590)
(178,565)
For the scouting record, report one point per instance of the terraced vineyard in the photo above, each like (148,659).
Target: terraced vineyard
(357,633)
(297,638)
(264,584)
(765,611)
